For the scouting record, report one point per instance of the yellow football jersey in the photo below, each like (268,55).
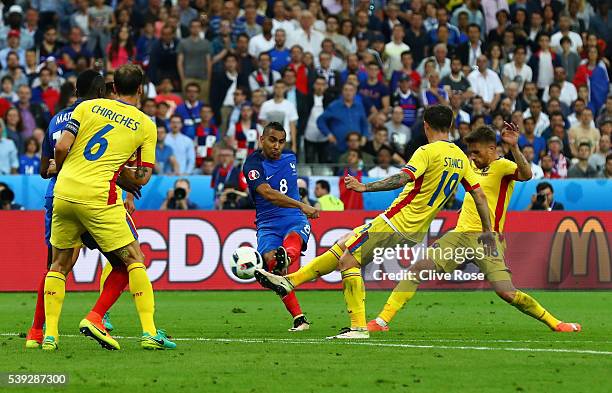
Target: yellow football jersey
(436,170)
(108,133)
(497,182)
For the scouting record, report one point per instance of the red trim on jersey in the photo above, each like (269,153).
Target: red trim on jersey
(147,165)
(401,204)
(409,172)
(467,186)
(501,200)
(112,192)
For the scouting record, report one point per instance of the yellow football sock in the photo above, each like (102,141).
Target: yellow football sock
(354,295)
(55,291)
(105,272)
(142,291)
(402,293)
(320,266)
(531,307)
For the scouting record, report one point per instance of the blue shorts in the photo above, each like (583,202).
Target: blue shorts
(270,234)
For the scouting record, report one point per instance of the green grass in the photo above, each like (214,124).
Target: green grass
(420,354)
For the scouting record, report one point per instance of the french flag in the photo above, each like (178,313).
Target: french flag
(599,86)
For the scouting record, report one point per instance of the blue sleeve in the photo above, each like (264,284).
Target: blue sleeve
(47,149)
(322,120)
(254,173)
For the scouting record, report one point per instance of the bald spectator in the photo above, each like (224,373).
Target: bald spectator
(442,63)
(306,36)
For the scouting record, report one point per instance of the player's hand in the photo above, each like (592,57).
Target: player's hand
(331,138)
(510,133)
(52,170)
(126,185)
(310,211)
(487,239)
(351,183)
(129,205)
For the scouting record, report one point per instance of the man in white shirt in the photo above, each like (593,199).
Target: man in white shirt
(394,49)
(384,167)
(264,76)
(540,118)
(443,63)
(280,20)
(306,36)
(486,83)
(262,42)
(280,110)
(568,90)
(517,70)
(564,31)
(536,170)
(315,143)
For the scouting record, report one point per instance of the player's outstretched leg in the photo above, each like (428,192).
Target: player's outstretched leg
(93,324)
(528,305)
(402,293)
(106,321)
(34,337)
(142,292)
(353,289)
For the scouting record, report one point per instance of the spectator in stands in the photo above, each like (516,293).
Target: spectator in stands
(529,154)
(244,133)
(178,197)
(74,49)
(9,162)
(252,22)
(528,137)
(7,196)
(605,114)
(574,118)
(517,70)
(101,23)
(29,161)
(262,42)
(15,71)
(222,88)
(486,83)
(353,143)
(441,62)
(182,146)
(469,51)
(316,145)
(121,49)
(399,134)
(194,61)
(584,131)
(544,199)
(341,41)
(582,168)
(606,171)
(306,36)
(327,201)
(543,62)
(264,76)
(380,140)
(13,128)
(33,115)
(568,59)
(541,119)
(163,60)
(394,50)
(226,174)
(559,161)
(383,160)
(280,55)
(12,46)
(405,98)
(189,110)
(246,62)
(279,109)
(329,73)
(50,45)
(6,89)
(45,93)
(456,81)
(598,159)
(341,117)
(435,93)
(165,162)
(568,93)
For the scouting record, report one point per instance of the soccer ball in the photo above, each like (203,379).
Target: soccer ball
(244,262)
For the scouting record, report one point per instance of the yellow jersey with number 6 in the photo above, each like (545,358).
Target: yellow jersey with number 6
(436,170)
(107,133)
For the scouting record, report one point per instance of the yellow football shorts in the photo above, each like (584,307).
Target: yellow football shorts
(455,248)
(376,233)
(110,226)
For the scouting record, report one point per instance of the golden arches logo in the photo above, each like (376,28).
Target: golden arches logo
(580,240)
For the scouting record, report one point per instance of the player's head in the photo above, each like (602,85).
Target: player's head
(437,121)
(273,140)
(129,80)
(482,146)
(90,84)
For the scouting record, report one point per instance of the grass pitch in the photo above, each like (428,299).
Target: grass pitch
(238,342)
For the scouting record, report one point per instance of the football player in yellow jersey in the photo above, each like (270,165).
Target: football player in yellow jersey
(496,177)
(93,150)
(430,177)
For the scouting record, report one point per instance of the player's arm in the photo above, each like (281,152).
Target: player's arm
(482,207)
(45,157)
(510,135)
(390,183)
(281,200)
(145,157)
(63,147)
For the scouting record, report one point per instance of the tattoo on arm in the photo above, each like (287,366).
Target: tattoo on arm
(523,165)
(123,253)
(140,172)
(390,183)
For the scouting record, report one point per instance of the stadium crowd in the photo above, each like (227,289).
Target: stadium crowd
(347,79)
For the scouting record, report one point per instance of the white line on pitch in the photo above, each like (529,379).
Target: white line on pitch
(365,343)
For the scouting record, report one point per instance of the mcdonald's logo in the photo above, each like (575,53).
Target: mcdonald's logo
(580,242)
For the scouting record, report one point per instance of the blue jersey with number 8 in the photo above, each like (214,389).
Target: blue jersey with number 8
(281,175)
(107,133)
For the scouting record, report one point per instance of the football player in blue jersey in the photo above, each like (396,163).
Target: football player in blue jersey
(281,219)
(90,85)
